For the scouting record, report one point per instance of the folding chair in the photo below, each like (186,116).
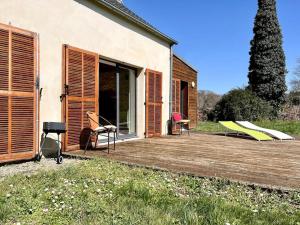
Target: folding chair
(97,129)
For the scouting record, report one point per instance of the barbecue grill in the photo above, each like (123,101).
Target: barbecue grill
(56,128)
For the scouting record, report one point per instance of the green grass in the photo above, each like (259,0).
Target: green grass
(103,192)
(290,127)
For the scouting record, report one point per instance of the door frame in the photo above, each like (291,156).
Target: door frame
(117,74)
(182,100)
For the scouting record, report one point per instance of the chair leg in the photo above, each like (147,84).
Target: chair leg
(96,143)
(108,136)
(114,140)
(87,143)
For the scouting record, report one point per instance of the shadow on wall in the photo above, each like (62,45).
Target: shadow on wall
(50,146)
(84,138)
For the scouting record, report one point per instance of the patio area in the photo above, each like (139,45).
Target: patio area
(273,164)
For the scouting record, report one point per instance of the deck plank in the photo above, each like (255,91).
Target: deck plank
(274,164)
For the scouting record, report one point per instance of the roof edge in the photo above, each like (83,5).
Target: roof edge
(163,36)
(185,62)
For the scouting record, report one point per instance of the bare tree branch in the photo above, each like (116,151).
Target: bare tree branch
(296,81)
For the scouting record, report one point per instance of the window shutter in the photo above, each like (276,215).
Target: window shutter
(81,76)
(18,70)
(176,95)
(4,79)
(173,95)
(153,103)
(4,125)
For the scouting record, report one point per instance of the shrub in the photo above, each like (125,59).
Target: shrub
(241,104)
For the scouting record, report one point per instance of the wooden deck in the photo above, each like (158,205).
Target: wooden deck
(272,164)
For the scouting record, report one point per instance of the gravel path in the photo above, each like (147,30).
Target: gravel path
(34,167)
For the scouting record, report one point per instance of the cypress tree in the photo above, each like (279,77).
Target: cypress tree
(267,68)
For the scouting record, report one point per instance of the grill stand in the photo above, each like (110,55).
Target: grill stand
(59,158)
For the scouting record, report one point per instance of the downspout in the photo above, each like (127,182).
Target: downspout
(171,81)
(38,84)
(171,90)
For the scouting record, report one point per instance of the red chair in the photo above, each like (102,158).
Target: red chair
(177,119)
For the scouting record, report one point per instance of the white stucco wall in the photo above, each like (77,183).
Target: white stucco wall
(84,25)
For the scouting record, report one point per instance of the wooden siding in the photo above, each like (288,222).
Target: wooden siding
(183,72)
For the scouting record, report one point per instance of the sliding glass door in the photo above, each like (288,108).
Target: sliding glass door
(117,97)
(127,104)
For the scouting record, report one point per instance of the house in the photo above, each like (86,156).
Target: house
(184,89)
(94,55)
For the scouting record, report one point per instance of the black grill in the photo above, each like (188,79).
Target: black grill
(57,128)
(54,127)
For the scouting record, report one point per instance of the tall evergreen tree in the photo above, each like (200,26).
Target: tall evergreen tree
(267,68)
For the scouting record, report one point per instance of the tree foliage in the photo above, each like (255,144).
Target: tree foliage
(267,68)
(241,104)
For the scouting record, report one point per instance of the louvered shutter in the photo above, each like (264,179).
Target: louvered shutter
(153,103)
(81,76)
(18,69)
(176,95)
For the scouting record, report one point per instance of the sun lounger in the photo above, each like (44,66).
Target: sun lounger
(255,134)
(277,134)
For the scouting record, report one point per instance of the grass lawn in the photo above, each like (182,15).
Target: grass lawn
(289,127)
(104,192)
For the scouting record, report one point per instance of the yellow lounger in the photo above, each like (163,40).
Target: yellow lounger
(255,134)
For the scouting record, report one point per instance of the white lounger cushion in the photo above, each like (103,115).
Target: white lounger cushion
(277,134)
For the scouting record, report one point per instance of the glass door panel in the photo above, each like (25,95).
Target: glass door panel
(127,104)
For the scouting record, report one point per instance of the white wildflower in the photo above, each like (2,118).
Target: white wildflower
(45,210)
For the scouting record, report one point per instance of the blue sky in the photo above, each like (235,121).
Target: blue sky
(214,35)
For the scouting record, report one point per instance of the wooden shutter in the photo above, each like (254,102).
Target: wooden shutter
(81,76)
(153,103)
(176,86)
(18,95)
(176,95)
